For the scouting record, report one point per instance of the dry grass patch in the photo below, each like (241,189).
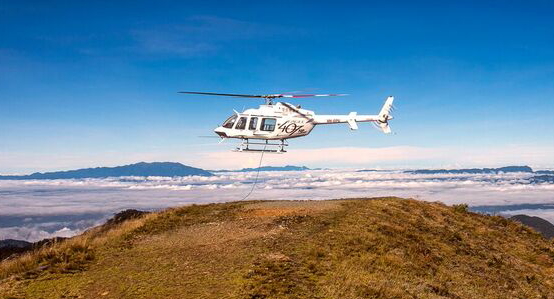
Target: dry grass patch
(268,209)
(392,248)
(66,257)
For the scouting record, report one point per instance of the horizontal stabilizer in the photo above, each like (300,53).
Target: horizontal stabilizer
(352,121)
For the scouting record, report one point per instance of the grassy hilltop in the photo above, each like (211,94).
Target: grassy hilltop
(380,248)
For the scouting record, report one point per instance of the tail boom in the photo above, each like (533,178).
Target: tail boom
(380,120)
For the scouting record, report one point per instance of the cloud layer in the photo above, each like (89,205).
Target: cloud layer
(66,207)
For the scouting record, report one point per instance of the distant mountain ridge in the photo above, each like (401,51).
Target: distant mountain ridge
(473,170)
(169,169)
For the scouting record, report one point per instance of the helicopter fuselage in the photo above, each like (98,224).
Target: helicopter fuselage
(269,122)
(283,121)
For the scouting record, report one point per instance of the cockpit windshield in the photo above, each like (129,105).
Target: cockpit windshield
(230,122)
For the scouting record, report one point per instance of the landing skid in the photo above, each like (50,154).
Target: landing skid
(266,147)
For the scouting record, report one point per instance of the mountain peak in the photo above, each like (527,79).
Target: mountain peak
(169,169)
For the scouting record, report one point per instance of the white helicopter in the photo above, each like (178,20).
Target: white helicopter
(282,121)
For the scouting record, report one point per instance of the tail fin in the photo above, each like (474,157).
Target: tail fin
(384,115)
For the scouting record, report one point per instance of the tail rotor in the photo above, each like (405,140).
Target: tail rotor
(382,122)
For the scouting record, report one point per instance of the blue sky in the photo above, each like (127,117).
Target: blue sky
(96,84)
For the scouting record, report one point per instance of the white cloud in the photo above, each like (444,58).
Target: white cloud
(103,197)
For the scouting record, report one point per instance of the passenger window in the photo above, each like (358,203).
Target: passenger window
(253,123)
(241,124)
(268,124)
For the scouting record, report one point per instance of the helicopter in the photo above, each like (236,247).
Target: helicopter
(272,124)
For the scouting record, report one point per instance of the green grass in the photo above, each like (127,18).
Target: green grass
(379,248)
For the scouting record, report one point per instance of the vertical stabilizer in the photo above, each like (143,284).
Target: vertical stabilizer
(384,115)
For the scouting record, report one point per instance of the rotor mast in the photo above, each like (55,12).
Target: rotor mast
(269,99)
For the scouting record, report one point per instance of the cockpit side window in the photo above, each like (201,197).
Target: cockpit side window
(230,122)
(253,123)
(268,124)
(241,124)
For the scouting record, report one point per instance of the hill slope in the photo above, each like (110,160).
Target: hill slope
(542,226)
(169,169)
(381,248)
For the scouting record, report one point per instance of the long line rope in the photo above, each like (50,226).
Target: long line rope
(257,175)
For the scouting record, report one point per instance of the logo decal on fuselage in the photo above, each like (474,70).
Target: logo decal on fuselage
(292,127)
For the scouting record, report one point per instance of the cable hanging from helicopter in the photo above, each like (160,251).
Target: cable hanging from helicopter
(272,124)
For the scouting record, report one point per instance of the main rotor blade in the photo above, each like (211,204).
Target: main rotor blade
(312,95)
(268,96)
(224,94)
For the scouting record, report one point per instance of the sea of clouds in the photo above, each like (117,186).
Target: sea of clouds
(36,209)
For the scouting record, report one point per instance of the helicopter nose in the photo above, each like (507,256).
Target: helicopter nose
(220,131)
